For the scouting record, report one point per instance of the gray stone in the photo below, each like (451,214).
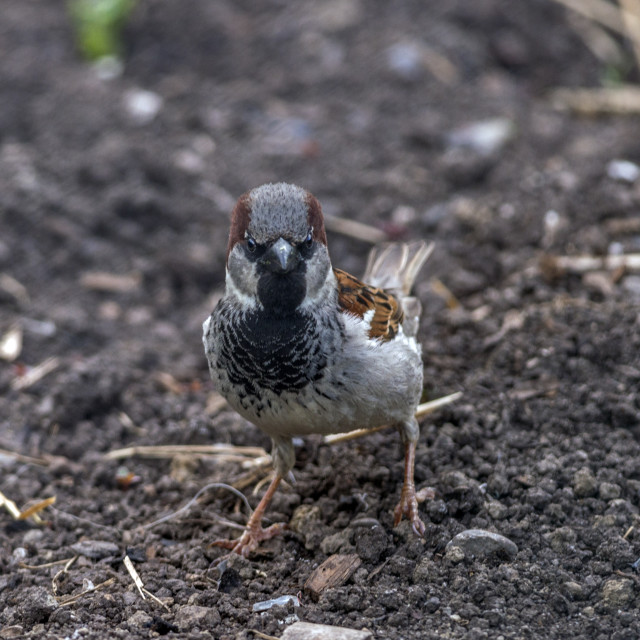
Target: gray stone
(479,544)
(609,491)
(36,605)
(95,549)
(140,619)
(308,631)
(617,593)
(496,509)
(584,483)
(337,543)
(191,616)
(561,538)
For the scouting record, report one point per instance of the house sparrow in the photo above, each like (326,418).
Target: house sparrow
(297,347)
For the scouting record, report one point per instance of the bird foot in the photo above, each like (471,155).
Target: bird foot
(250,539)
(408,507)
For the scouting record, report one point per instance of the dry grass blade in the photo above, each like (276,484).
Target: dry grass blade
(5,453)
(631,19)
(14,288)
(598,40)
(583,264)
(440,289)
(35,509)
(10,506)
(264,636)
(46,565)
(599,11)
(429,407)
(421,411)
(65,602)
(135,576)
(110,282)
(169,451)
(353,229)
(65,569)
(35,375)
(623,100)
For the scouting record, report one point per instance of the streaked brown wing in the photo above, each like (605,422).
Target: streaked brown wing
(357,298)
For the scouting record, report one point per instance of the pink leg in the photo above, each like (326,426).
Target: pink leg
(254,534)
(408,505)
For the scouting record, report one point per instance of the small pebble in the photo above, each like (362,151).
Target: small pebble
(140,619)
(485,137)
(405,59)
(623,170)
(143,106)
(265,605)
(480,544)
(496,509)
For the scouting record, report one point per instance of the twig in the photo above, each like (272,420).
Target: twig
(169,451)
(110,282)
(354,229)
(26,459)
(35,375)
(86,521)
(583,264)
(46,565)
(623,100)
(421,411)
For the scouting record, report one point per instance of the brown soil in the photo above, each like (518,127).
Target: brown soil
(542,448)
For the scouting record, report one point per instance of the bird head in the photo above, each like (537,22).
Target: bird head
(277,255)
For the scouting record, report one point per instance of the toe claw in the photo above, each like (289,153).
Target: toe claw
(408,507)
(250,539)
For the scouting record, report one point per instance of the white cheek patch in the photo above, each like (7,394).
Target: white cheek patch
(324,293)
(245,299)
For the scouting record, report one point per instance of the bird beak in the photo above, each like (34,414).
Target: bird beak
(282,257)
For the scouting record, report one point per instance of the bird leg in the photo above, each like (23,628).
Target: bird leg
(253,533)
(408,505)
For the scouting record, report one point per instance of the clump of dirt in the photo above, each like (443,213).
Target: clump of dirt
(422,122)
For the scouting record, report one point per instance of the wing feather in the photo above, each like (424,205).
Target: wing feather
(357,298)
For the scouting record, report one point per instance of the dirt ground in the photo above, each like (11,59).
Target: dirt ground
(114,207)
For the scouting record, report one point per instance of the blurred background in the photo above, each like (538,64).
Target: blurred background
(507,132)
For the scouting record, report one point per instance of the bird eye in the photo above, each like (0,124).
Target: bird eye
(308,241)
(251,244)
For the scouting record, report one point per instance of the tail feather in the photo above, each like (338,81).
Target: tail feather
(394,267)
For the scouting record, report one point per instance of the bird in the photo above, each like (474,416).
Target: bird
(298,347)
